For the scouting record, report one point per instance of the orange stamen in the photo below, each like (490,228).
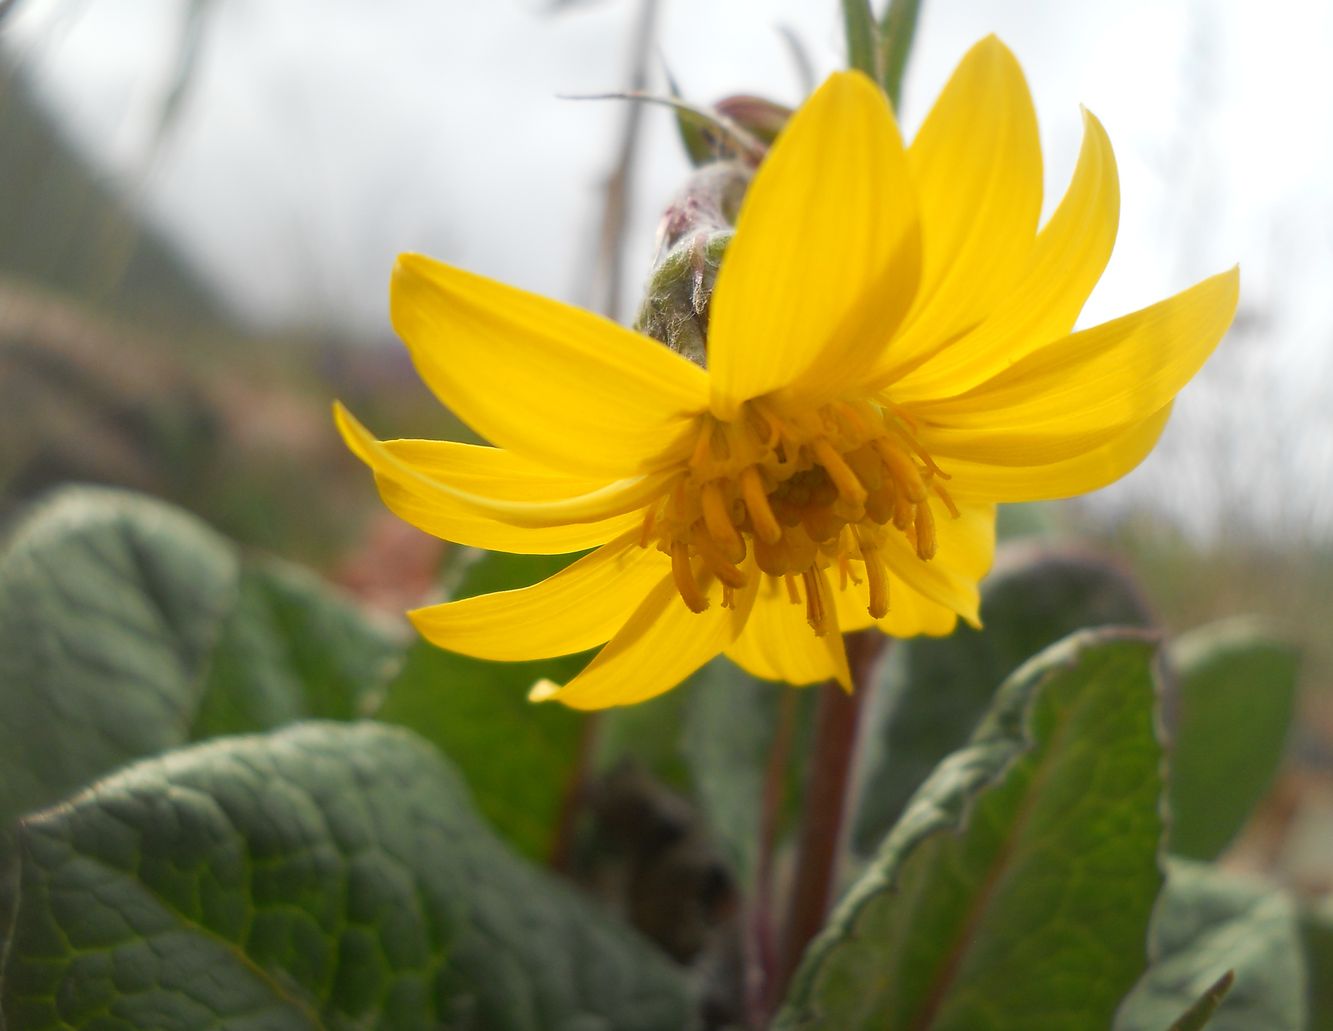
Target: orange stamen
(756,501)
(816,613)
(718,520)
(901,468)
(878,579)
(852,489)
(925,532)
(948,501)
(683,574)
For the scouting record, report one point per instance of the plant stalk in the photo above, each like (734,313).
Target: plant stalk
(825,807)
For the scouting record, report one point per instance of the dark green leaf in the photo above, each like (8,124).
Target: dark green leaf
(939,688)
(324,876)
(1236,692)
(517,757)
(1208,923)
(896,33)
(128,628)
(1317,936)
(1016,890)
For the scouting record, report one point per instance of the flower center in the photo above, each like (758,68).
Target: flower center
(805,492)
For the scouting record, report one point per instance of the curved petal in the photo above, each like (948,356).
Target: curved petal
(1081,391)
(965,548)
(661,644)
(462,525)
(1092,470)
(778,644)
(612,499)
(578,608)
(824,261)
(1069,257)
(976,169)
(547,380)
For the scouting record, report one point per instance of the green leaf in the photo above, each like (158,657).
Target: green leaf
(1236,693)
(939,688)
(1016,890)
(517,757)
(729,724)
(1316,924)
(896,32)
(1207,923)
(329,875)
(128,628)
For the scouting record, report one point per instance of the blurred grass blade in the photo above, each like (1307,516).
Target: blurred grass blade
(1197,1016)
(858,23)
(896,32)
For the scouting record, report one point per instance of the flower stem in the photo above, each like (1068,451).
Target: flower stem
(826,803)
(762,946)
(572,799)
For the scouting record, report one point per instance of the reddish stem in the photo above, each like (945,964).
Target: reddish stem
(571,801)
(762,957)
(825,807)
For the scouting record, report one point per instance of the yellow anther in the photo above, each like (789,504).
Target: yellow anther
(686,584)
(901,468)
(756,501)
(793,595)
(925,532)
(839,471)
(717,517)
(944,496)
(878,579)
(717,562)
(816,612)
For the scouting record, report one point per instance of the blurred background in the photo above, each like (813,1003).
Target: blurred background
(200,203)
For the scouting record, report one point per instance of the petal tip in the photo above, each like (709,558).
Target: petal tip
(543,690)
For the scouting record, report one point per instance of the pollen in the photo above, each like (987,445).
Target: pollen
(799,494)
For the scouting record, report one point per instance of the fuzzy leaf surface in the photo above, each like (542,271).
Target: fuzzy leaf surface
(1016,890)
(325,876)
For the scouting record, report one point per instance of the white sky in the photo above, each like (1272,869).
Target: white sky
(324,136)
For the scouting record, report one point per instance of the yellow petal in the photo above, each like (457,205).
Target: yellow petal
(976,169)
(912,615)
(1081,391)
(1092,470)
(661,644)
(1069,257)
(491,472)
(613,499)
(552,382)
(778,644)
(578,608)
(965,548)
(824,261)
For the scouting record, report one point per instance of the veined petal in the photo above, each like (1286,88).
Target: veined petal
(1069,257)
(976,168)
(964,552)
(778,644)
(661,644)
(462,525)
(578,608)
(1092,470)
(824,261)
(542,378)
(613,499)
(1081,391)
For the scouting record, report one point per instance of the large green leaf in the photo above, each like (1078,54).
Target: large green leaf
(128,628)
(939,688)
(517,757)
(1236,692)
(1016,890)
(329,875)
(1207,923)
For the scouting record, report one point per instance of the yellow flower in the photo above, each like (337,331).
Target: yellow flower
(889,355)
